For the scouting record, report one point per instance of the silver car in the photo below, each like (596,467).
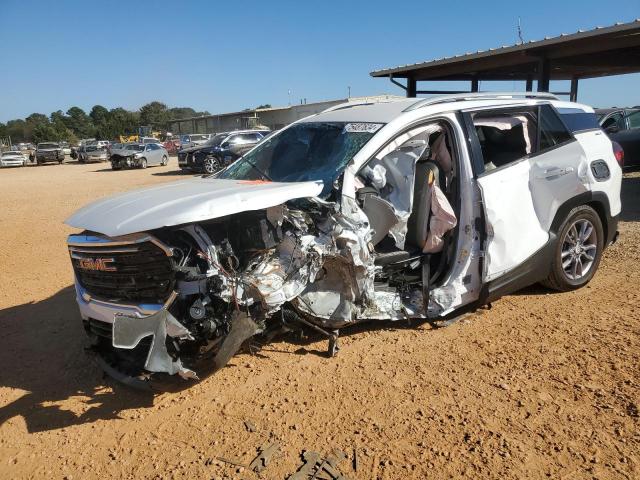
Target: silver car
(139,155)
(95,153)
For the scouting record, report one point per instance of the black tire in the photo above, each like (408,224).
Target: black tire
(165,161)
(114,167)
(143,163)
(559,279)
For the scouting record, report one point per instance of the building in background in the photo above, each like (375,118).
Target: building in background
(274,118)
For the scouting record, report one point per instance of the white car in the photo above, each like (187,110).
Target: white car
(13,158)
(404,209)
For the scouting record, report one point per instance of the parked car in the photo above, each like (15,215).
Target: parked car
(172,145)
(95,153)
(404,209)
(13,158)
(65,148)
(139,155)
(49,152)
(194,139)
(220,151)
(623,126)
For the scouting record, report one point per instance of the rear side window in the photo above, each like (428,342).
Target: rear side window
(506,135)
(552,131)
(634,119)
(510,134)
(578,120)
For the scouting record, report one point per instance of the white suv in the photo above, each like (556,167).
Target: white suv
(413,208)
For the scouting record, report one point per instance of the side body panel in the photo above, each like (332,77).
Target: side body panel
(514,229)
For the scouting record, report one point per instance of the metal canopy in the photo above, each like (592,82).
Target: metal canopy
(603,51)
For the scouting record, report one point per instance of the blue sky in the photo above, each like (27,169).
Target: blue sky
(226,56)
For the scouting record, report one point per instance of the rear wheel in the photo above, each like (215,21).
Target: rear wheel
(578,250)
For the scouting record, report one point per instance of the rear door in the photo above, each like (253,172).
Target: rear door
(530,165)
(504,138)
(559,166)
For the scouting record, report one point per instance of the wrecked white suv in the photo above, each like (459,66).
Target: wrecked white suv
(406,209)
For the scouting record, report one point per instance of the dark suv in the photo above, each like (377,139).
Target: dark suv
(219,151)
(49,152)
(623,126)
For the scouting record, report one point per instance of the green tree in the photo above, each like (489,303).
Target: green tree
(99,115)
(80,123)
(16,130)
(266,105)
(44,132)
(155,114)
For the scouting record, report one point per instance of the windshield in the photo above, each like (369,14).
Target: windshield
(137,148)
(302,152)
(48,145)
(217,139)
(10,154)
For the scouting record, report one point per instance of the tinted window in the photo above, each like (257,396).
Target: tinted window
(552,131)
(578,120)
(614,120)
(634,119)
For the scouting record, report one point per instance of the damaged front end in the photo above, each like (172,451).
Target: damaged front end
(182,300)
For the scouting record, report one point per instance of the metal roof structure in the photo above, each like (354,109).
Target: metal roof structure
(602,51)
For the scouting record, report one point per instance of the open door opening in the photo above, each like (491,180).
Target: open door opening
(409,193)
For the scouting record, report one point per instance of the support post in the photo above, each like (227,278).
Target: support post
(529,86)
(574,90)
(474,84)
(544,75)
(412,85)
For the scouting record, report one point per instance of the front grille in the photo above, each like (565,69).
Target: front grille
(138,272)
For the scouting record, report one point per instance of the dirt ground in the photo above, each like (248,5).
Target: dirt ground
(543,385)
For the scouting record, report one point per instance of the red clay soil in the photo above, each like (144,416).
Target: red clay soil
(543,385)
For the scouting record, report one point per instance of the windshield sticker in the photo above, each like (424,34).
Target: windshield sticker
(362,127)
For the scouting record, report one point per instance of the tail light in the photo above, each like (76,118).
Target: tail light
(619,153)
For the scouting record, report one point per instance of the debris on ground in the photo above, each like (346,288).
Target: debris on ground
(265,454)
(315,467)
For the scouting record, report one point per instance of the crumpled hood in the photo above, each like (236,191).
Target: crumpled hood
(183,202)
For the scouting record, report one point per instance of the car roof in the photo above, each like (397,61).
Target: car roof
(388,110)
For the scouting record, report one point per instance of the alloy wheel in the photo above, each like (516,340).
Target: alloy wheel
(211,165)
(579,249)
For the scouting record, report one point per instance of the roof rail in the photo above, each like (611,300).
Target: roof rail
(459,97)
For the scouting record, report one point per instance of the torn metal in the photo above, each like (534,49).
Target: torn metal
(289,257)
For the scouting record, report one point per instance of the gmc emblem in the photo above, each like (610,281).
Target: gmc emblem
(97,264)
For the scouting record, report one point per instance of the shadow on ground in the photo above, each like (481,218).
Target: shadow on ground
(175,173)
(42,353)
